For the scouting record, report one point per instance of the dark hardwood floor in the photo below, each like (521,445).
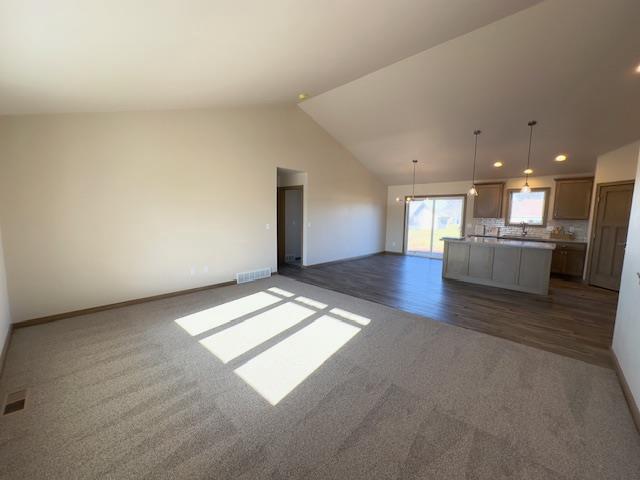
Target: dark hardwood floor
(575,320)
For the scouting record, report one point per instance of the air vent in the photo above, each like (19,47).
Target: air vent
(15,402)
(245,277)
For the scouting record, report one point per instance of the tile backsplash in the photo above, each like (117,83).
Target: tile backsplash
(578,227)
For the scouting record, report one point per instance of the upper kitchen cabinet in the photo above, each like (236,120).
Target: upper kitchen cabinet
(488,203)
(573,198)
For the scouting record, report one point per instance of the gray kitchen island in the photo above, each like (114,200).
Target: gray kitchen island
(510,264)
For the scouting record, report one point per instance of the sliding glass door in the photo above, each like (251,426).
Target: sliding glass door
(431,218)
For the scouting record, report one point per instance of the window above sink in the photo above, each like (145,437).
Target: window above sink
(528,207)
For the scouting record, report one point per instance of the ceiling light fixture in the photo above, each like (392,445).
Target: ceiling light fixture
(526,188)
(638,68)
(413,190)
(498,164)
(472,191)
(528,171)
(303,96)
(561,158)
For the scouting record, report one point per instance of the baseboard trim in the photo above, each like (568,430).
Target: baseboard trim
(348,259)
(633,406)
(387,252)
(85,311)
(5,349)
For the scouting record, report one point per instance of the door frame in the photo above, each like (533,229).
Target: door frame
(280,234)
(406,213)
(594,226)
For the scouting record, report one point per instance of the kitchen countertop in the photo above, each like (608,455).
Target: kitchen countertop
(501,242)
(534,239)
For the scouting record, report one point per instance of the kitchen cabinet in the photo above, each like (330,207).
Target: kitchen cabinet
(572,200)
(568,259)
(488,203)
(512,264)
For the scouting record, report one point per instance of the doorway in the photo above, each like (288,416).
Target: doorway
(290,204)
(609,240)
(428,219)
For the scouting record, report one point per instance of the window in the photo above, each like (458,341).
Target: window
(529,208)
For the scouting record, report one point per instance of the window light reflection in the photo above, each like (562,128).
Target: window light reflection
(275,372)
(311,302)
(350,316)
(200,322)
(238,339)
(280,291)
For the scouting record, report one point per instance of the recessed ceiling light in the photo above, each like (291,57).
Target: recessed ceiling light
(561,158)
(303,96)
(528,171)
(498,164)
(638,68)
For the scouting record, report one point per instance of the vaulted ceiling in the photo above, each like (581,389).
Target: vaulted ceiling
(94,55)
(390,80)
(569,64)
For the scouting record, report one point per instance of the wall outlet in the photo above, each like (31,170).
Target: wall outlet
(267,226)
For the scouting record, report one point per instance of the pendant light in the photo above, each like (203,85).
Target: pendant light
(413,190)
(472,191)
(526,188)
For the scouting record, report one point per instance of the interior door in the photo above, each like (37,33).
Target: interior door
(610,234)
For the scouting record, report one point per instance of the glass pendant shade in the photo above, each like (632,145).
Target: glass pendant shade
(526,188)
(472,191)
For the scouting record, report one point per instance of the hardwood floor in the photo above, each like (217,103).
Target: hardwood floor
(575,320)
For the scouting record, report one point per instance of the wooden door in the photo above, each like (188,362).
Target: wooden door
(613,206)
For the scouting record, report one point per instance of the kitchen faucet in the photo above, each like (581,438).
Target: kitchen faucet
(524,229)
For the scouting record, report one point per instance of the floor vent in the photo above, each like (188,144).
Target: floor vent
(245,277)
(15,402)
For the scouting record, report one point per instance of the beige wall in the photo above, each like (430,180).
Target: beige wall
(396,211)
(626,338)
(102,208)
(5,315)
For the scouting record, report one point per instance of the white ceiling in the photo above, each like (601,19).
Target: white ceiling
(569,64)
(95,55)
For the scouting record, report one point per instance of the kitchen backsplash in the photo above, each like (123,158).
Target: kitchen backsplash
(578,227)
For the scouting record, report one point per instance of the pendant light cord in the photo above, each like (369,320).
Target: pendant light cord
(413,191)
(475,152)
(532,123)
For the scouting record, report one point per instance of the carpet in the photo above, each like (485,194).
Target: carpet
(278,379)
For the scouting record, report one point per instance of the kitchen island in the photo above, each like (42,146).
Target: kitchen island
(510,264)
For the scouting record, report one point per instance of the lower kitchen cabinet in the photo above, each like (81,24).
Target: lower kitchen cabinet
(569,258)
